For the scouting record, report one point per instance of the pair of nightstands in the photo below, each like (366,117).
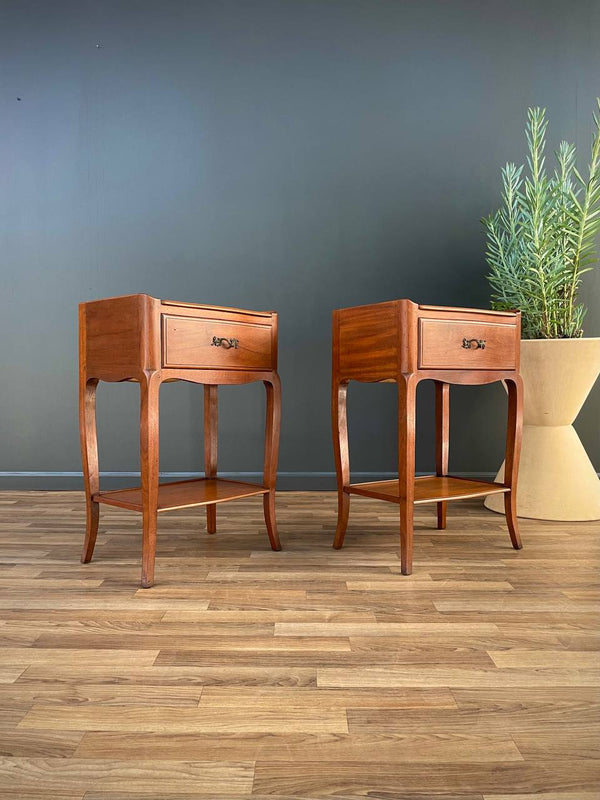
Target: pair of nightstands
(139,338)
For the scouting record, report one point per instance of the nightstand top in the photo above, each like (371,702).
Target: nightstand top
(181,304)
(427,307)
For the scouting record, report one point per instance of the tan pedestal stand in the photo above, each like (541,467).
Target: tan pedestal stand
(556,478)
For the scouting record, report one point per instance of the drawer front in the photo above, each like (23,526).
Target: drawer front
(458,344)
(201,343)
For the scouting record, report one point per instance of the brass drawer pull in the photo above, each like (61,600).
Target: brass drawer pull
(479,344)
(223,341)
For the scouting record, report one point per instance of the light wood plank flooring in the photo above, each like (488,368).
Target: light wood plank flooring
(299,675)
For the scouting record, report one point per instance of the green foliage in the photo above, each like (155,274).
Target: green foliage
(542,239)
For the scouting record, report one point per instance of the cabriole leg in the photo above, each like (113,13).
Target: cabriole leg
(149,416)
(89,457)
(406,466)
(514,433)
(272,435)
(442,436)
(339,417)
(210,448)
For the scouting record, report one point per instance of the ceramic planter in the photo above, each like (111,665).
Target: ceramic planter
(556,478)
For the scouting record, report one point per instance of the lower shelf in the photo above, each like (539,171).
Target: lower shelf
(183,494)
(428,489)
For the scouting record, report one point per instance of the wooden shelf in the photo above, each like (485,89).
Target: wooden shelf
(428,489)
(183,494)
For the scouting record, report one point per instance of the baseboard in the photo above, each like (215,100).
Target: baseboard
(286,481)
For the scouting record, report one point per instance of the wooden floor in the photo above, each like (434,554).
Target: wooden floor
(308,673)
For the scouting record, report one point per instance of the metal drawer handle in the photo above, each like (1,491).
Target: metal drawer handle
(223,341)
(479,344)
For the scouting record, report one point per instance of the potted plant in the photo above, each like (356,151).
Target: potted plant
(539,245)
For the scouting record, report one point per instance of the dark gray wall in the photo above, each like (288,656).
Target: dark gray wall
(299,155)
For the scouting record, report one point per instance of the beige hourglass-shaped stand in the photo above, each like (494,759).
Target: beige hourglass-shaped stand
(557,480)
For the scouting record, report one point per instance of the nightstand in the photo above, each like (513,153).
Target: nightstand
(404,342)
(139,338)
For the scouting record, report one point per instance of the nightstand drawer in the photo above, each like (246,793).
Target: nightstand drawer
(463,344)
(190,342)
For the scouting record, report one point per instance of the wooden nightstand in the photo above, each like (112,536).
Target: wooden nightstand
(139,338)
(404,342)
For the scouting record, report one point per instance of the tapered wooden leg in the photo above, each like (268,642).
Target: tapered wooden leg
(442,437)
(270,519)
(406,467)
(272,435)
(342,519)
(211,413)
(339,418)
(89,459)
(149,415)
(514,433)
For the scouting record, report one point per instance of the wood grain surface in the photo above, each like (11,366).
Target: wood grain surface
(402,342)
(162,343)
(300,675)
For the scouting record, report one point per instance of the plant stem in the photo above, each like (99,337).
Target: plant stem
(585,210)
